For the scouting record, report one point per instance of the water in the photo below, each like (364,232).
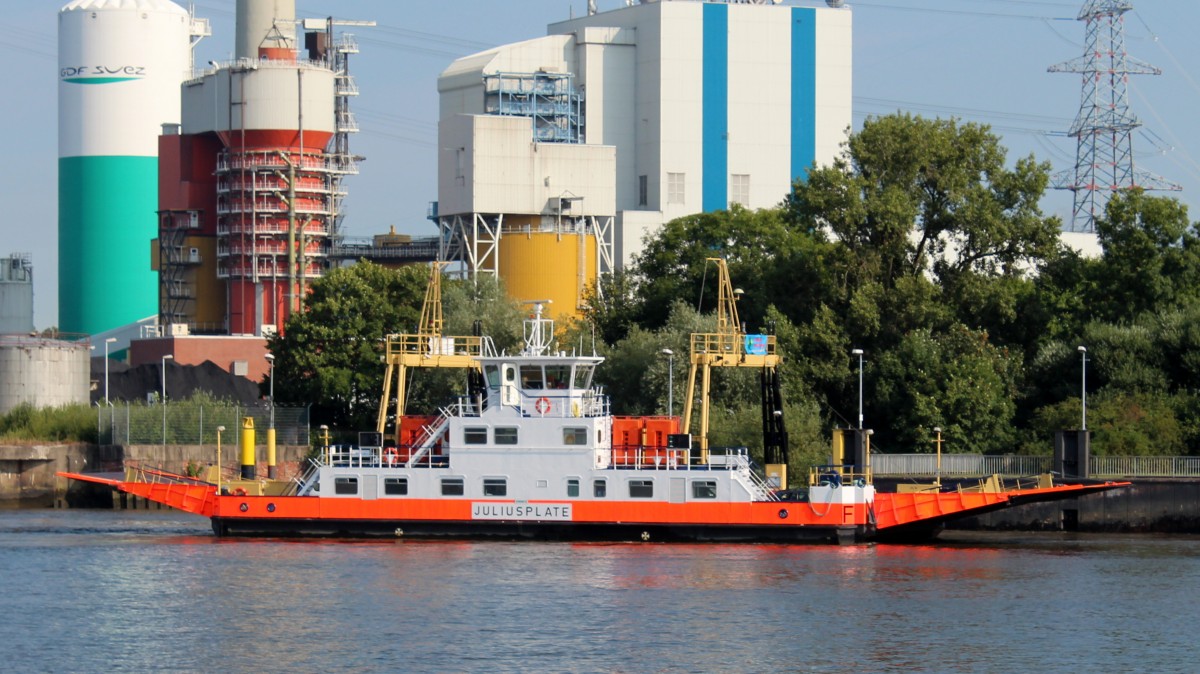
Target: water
(155,591)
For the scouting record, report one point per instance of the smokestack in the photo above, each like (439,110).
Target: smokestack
(266,29)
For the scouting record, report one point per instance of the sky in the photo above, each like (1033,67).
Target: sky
(983,61)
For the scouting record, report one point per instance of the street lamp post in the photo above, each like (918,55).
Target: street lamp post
(1083,388)
(859,353)
(271,428)
(108,341)
(271,377)
(938,430)
(163,402)
(220,430)
(670,381)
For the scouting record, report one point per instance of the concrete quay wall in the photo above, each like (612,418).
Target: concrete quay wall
(28,472)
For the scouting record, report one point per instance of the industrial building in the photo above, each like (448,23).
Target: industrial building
(558,155)
(120,67)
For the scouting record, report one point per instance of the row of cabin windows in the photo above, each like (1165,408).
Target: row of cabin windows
(498,486)
(539,377)
(507,435)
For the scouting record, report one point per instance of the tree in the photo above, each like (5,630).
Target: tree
(329,354)
(911,194)
(955,380)
(754,244)
(1151,257)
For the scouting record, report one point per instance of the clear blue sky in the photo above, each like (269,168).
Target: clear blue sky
(978,60)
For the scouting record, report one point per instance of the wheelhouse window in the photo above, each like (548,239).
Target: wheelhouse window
(531,377)
(475,435)
(583,376)
(506,435)
(495,486)
(704,489)
(345,486)
(600,488)
(573,487)
(575,436)
(493,376)
(558,376)
(452,486)
(641,489)
(395,486)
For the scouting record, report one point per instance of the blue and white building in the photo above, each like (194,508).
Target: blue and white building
(706,104)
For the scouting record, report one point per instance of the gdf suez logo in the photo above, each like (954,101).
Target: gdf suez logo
(102,71)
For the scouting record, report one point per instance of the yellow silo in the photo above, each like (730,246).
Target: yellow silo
(549,265)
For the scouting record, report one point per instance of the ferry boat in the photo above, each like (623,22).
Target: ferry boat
(534,451)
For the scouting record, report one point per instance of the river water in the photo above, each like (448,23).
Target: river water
(151,591)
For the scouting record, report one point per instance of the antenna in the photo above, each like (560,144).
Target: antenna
(1102,128)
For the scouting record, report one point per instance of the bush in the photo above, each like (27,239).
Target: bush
(65,423)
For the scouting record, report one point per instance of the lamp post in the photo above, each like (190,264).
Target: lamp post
(271,429)
(163,401)
(859,353)
(1083,387)
(938,430)
(108,341)
(271,377)
(671,381)
(220,430)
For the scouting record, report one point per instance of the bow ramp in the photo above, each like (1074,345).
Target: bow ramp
(901,514)
(177,491)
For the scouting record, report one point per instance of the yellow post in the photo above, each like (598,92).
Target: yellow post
(220,430)
(271,454)
(838,453)
(248,459)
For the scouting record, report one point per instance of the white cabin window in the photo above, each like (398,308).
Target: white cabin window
(345,486)
(452,486)
(395,486)
(641,489)
(573,487)
(506,435)
(575,436)
(475,435)
(495,486)
(704,489)
(600,488)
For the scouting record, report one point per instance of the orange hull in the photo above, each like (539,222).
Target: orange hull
(891,514)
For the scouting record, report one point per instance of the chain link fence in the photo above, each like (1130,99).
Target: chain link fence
(196,424)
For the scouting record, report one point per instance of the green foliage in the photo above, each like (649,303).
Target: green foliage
(65,423)
(330,353)
(1122,424)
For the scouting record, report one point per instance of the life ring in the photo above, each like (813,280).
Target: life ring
(542,405)
(391,456)
(239,492)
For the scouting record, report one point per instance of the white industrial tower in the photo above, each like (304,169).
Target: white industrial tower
(1102,128)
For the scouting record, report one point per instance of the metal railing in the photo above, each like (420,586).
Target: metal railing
(976,465)
(1144,466)
(192,424)
(958,465)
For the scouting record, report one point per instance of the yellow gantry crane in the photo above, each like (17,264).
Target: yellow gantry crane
(427,348)
(730,346)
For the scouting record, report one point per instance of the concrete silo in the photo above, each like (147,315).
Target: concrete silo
(43,372)
(121,63)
